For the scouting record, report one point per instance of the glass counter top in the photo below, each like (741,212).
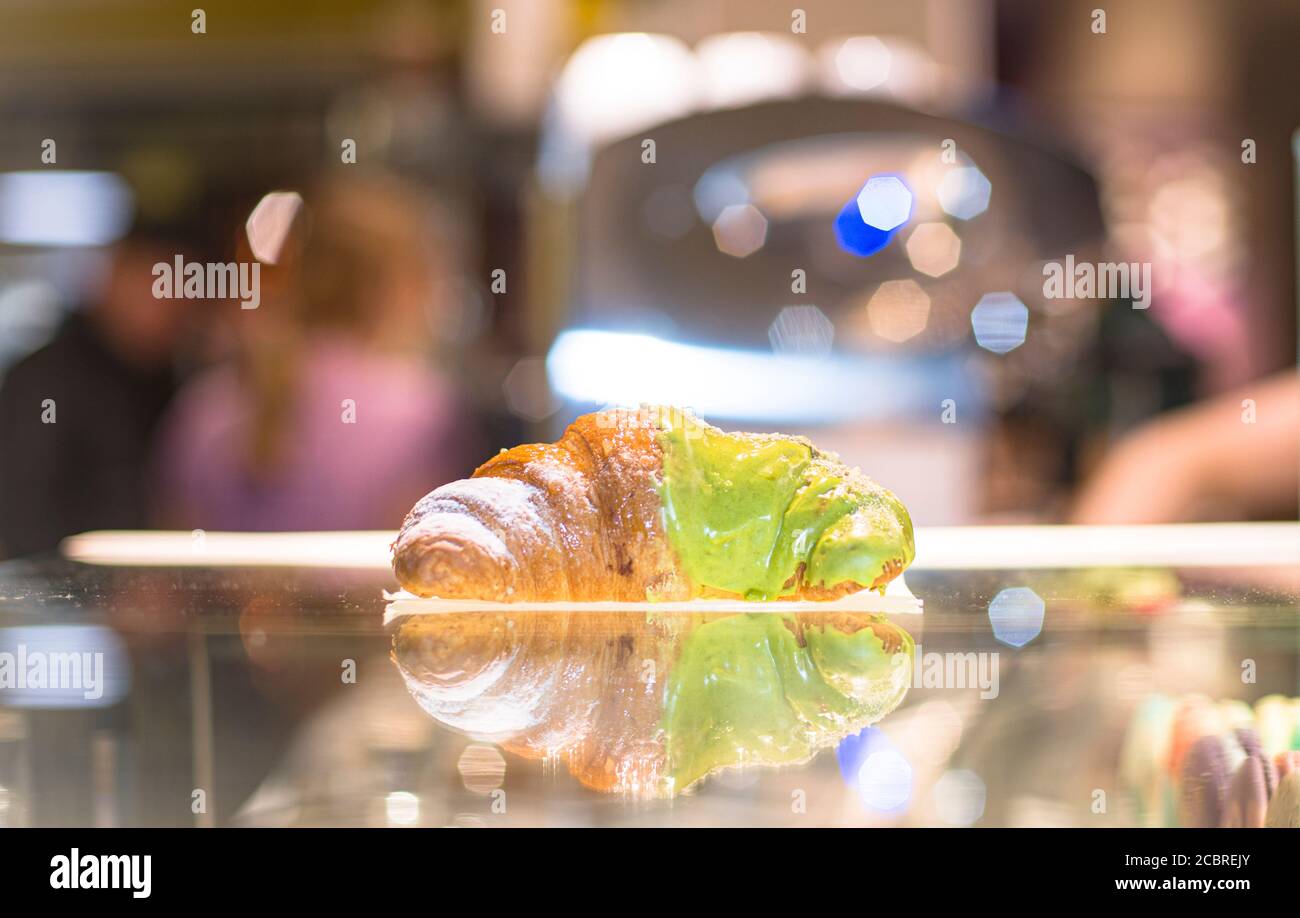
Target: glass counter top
(219,679)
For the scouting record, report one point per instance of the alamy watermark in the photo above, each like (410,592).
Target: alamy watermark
(24,670)
(103,871)
(212,280)
(1103,280)
(956,671)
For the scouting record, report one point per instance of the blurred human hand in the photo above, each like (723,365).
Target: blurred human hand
(1236,456)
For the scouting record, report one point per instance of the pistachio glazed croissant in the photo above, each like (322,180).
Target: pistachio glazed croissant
(654,504)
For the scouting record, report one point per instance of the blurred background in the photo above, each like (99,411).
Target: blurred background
(473,221)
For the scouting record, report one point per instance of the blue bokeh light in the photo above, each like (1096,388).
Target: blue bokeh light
(876,770)
(853,751)
(855,236)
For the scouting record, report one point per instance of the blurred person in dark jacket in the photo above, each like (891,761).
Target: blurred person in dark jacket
(332,414)
(77,415)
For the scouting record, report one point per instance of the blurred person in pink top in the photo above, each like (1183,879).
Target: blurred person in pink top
(332,414)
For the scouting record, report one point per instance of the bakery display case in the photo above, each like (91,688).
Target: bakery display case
(1022,676)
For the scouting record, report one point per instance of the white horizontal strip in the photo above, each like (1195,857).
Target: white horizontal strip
(364,550)
(937,548)
(1041,547)
(900,602)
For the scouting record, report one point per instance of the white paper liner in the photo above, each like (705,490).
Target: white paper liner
(898,600)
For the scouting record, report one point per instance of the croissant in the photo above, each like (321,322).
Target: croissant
(655,504)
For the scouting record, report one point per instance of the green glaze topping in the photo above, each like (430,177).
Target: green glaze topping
(744,512)
(761,689)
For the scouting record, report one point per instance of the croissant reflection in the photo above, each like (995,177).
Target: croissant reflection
(647,703)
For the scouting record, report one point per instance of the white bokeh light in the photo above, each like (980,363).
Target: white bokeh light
(959,797)
(63,207)
(801,330)
(740,68)
(615,84)
(1017,616)
(885,202)
(862,63)
(1000,322)
(269,223)
(402,808)
(885,780)
(964,192)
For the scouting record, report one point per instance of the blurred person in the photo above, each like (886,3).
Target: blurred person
(332,415)
(77,415)
(1236,456)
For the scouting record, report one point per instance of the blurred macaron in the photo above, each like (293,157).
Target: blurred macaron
(1144,758)
(1246,802)
(1235,713)
(1203,788)
(1275,721)
(1284,763)
(1284,808)
(1194,718)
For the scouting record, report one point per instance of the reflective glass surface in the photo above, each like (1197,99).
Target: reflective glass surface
(241,695)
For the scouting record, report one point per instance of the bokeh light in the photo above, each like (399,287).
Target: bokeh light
(528,392)
(740,230)
(740,68)
(876,769)
(482,768)
(402,808)
(855,237)
(801,330)
(1191,213)
(959,797)
(898,310)
(269,223)
(964,192)
(885,202)
(63,207)
(1017,616)
(862,62)
(885,780)
(934,249)
(615,84)
(1000,322)
(716,190)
